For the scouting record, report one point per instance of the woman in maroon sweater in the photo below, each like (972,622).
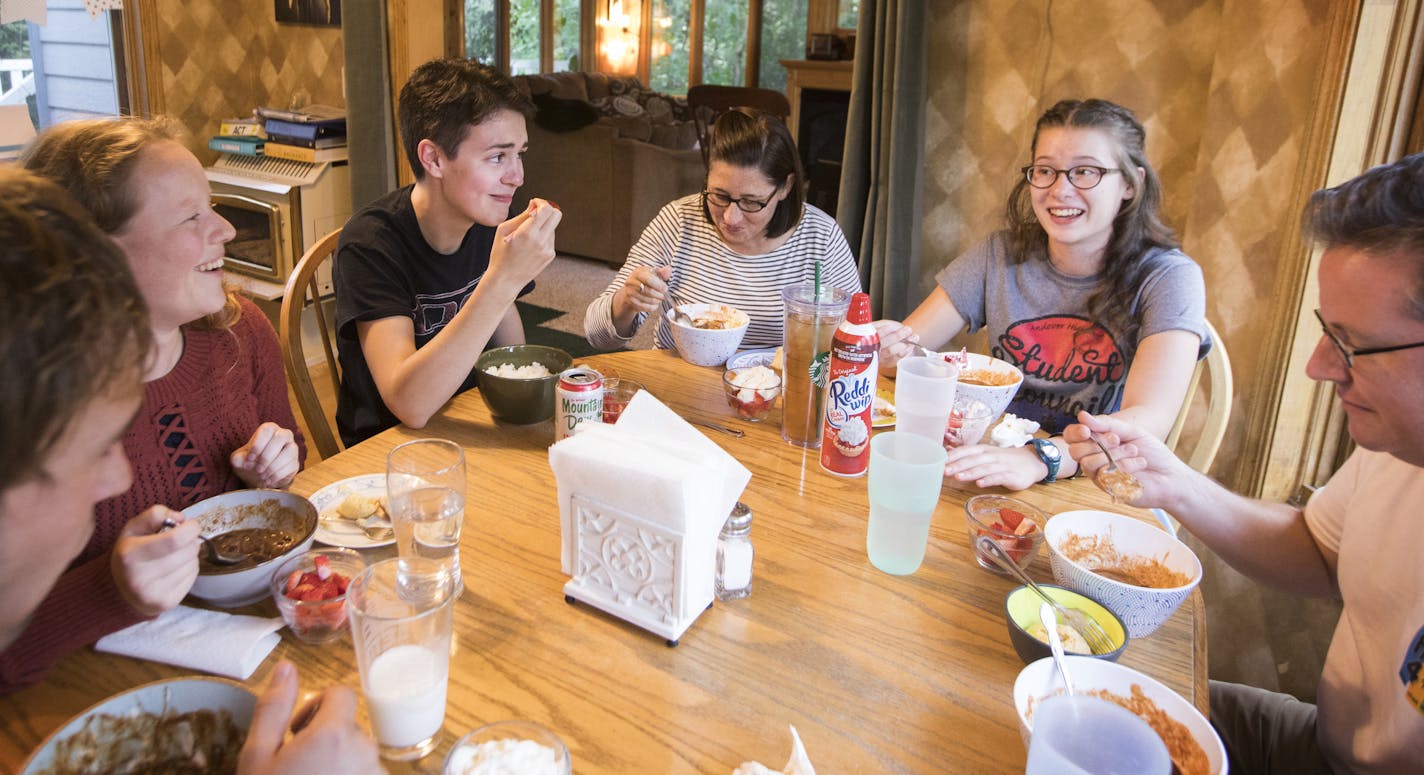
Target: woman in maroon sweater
(215,415)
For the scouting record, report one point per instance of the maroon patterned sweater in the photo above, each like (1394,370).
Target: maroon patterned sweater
(224,386)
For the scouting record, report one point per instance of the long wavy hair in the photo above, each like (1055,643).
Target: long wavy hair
(1137,227)
(94,159)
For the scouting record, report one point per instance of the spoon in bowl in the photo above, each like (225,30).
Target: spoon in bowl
(1122,486)
(215,555)
(1055,644)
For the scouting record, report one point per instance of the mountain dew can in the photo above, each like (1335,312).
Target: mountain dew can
(578,399)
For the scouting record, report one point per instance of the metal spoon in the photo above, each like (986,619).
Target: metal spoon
(1122,486)
(1050,623)
(215,556)
(678,316)
(714,426)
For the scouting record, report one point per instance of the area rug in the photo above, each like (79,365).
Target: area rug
(538,331)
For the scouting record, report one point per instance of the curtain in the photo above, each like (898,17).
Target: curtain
(370,127)
(880,198)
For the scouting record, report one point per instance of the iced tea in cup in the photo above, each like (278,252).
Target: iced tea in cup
(425,487)
(810,322)
(402,640)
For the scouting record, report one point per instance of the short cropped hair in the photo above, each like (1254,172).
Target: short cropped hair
(1380,212)
(72,326)
(445,97)
(754,139)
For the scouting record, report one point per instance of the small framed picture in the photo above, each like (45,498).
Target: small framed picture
(321,13)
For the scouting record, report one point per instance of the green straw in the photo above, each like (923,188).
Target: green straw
(817,289)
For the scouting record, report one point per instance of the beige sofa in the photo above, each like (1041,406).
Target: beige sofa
(610,153)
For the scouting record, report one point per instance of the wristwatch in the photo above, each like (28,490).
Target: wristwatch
(1048,453)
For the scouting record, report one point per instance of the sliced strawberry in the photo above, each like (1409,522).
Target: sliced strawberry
(293,580)
(323,566)
(1025,527)
(1011,518)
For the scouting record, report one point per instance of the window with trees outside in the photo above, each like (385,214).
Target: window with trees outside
(680,43)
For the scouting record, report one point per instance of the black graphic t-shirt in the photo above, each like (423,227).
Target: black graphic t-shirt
(1037,319)
(385,268)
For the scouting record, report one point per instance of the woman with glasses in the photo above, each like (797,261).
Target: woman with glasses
(1085,291)
(738,242)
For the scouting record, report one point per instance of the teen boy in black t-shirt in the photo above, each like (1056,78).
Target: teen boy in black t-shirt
(426,276)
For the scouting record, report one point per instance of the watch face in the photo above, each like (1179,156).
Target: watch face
(1046,449)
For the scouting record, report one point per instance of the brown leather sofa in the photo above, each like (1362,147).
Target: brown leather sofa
(610,153)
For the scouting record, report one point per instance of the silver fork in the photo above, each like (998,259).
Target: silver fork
(1091,631)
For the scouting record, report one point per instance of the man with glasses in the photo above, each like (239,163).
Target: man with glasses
(1359,536)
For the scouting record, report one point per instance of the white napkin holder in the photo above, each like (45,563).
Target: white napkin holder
(640,506)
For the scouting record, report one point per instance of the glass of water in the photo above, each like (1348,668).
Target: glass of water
(425,487)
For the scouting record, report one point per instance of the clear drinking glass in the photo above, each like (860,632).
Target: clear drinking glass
(968,422)
(425,487)
(924,396)
(810,322)
(402,642)
(906,472)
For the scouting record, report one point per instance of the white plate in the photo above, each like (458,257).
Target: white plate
(180,695)
(345,532)
(749,358)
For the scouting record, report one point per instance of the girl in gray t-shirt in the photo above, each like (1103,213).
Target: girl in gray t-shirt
(1085,291)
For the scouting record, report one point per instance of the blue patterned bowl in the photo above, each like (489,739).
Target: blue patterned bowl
(1142,609)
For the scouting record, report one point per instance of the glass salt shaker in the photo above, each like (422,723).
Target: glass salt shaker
(734,555)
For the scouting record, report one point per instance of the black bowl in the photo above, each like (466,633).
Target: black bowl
(520,401)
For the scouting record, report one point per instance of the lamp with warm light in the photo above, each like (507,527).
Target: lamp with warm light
(618,35)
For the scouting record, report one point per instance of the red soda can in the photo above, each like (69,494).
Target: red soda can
(578,399)
(850,392)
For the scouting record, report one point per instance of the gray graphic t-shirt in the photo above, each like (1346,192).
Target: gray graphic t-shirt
(1037,319)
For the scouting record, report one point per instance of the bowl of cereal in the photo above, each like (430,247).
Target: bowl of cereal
(1030,638)
(509,746)
(265,527)
(709,334)
(517,382)
(1136,569)
(990,381)
(1191,742)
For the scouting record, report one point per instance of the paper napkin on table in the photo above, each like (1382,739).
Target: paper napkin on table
(212,641)
(798,764)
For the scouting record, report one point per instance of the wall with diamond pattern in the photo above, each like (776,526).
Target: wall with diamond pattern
(220,60)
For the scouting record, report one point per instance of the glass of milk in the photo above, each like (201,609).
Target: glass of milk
(402,640)
(425,486)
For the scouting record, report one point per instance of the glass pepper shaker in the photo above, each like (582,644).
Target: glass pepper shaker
(734,555)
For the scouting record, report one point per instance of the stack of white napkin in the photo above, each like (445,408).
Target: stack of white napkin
(212,641)
(655,466)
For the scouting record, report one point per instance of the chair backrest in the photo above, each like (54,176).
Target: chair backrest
(303,293)
(708,101)
(1217,369)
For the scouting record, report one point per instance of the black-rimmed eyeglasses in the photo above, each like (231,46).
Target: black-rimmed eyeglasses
(1349,354)
(745,204)
(1083,176)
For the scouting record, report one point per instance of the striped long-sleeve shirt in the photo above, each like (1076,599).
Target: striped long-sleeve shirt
(705,270)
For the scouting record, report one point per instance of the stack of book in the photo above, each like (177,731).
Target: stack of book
(313,134)
(239,135)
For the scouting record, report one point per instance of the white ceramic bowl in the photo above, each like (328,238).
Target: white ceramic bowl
(706,346)
(177,695)
(1142,609)
(1039,681)
(240,510)
(997,398)
(554,757)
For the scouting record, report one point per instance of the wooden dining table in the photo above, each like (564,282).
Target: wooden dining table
(877,673)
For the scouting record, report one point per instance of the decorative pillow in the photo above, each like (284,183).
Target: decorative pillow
(627,106)
(679,136)
(657,108)
(559,115)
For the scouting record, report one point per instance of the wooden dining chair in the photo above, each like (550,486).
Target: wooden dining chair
(708,101)
(1216,368)
(304,293)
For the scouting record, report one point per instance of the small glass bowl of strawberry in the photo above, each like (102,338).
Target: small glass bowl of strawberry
(752,391)
(310,590)
(1015,525)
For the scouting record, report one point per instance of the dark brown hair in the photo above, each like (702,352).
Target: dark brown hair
(72,325)
(754,139)
(95,160)
(1137,228)
(445,97)
(1380,212)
